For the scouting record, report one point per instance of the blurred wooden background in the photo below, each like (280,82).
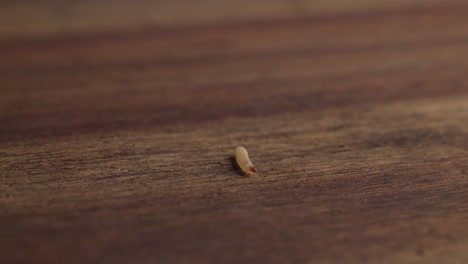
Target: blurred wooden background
(118,119)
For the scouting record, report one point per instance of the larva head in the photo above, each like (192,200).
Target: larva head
(252,169)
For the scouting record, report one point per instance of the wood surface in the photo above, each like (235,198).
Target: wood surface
(118,120)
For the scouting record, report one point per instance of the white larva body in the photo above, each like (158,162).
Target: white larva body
(242,159)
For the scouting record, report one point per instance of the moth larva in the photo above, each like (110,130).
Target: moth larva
(242,159)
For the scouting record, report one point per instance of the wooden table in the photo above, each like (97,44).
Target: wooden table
(118,120)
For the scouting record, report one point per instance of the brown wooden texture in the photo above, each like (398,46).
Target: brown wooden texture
(118,120)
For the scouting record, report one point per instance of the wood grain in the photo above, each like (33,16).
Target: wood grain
(118,121)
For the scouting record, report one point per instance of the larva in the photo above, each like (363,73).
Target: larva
(242,159)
